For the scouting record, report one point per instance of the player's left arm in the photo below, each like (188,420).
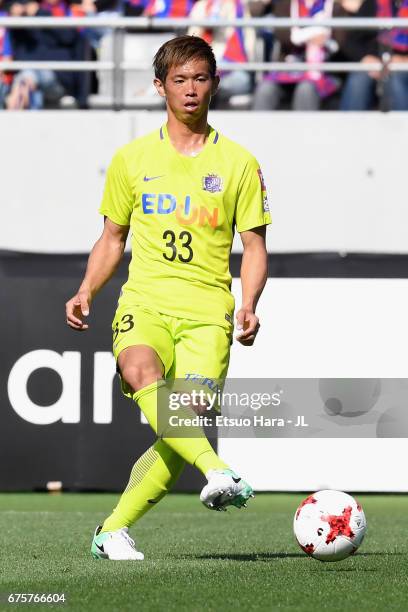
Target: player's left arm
(254,274)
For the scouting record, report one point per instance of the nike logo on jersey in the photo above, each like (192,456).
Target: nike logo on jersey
(152,178)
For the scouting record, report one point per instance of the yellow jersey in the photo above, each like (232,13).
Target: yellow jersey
(182,212)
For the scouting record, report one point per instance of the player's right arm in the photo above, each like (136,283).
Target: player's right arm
(102,263)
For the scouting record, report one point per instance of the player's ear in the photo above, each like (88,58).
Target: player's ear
(160,87)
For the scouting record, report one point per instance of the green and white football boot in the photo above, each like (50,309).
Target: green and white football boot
(225,488)
(114,545)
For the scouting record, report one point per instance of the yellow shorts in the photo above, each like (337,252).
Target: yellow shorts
(189,350)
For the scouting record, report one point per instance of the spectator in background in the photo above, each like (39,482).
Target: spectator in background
(311,44)
(95,8)
(396,42)
(263,8)
(259,8)
(157,8)
(168,8)
(32,88)
(229,44)
(133,8)
(5,55)
(363,89)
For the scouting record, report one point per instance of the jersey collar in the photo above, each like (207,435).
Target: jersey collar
(213,138)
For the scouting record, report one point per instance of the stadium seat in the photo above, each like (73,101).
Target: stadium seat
(138,90)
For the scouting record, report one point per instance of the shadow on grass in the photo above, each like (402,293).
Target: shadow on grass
(333,567)
(263,556)
(379,554)
(266,556)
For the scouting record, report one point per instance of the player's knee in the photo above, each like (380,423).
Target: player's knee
(140,375)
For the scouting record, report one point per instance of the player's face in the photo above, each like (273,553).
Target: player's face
(188,89)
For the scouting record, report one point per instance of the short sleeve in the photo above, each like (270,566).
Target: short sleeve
(252,208)
(117,202)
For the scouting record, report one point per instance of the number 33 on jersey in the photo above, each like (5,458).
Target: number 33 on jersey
(182,212)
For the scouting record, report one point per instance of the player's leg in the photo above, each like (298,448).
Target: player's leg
(194,450)
(152,476)
(142,369)
(202,358)
(159,467)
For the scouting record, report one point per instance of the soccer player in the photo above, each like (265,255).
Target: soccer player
(181,190)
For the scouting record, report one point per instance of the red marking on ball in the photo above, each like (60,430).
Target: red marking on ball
(308,500)
(359,508)
(339,525)
(308,549)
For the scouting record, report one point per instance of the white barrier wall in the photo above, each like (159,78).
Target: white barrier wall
(52,175)
(336,182)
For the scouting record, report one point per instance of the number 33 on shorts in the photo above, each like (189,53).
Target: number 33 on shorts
(122,326)
(135,325)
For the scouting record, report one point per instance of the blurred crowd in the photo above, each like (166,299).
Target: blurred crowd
(304,91)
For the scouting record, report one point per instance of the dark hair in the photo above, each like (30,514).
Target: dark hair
(180,50)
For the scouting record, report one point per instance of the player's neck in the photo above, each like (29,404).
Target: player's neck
(188,139)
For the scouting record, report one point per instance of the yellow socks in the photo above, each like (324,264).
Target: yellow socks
(158,468)
(151,478)
(195,450)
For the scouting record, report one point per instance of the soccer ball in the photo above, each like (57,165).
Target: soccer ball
(329,525)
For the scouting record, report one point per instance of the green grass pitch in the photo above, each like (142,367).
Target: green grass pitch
(196,559)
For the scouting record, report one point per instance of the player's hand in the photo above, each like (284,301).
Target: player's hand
(247,326)
(76,309)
